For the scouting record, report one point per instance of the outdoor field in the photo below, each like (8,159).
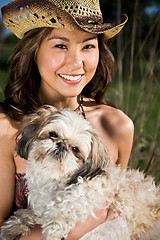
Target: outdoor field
(136,84)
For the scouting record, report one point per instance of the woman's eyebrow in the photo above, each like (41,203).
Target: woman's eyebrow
(91,38)
(67,40)
(61,38)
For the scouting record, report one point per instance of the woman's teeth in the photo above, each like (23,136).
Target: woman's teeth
(69,77)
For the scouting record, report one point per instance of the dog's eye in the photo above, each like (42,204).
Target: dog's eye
(75,149)
(53,135)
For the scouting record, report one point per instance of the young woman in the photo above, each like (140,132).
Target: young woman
(63,60)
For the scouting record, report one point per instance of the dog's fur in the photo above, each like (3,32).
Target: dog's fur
(68,175)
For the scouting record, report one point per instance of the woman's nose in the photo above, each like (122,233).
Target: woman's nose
(74,59)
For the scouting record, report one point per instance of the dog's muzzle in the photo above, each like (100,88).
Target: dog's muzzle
(60,150)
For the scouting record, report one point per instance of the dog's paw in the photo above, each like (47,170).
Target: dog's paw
(18,225)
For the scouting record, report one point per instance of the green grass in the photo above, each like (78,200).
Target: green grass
(3,82)
(5,51)
(140,101)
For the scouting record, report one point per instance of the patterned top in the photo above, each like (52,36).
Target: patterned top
(20,192)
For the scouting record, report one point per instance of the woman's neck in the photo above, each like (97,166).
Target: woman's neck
(64,103)
(61,102)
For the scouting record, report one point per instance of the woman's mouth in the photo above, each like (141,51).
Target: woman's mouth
(71,79)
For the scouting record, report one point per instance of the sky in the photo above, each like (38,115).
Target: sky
(149,9)
(154,9)
(4,2)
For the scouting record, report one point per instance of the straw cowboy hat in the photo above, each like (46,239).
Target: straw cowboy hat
(20,16)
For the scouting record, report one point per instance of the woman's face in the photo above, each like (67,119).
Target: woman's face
(67,61)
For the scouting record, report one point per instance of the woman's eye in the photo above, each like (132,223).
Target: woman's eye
(61,46)
(53,135)
(75,149)
(89,46)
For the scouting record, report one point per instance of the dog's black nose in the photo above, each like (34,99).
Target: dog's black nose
(62,146)
(60,150)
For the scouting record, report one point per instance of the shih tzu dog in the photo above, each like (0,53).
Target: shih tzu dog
(69,175)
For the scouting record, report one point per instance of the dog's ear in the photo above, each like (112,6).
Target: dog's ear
(31,128)
(99,156)
(25,137)
(98,159)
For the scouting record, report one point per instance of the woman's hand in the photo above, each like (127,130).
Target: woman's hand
(107,213)
(102,215)
(34,234)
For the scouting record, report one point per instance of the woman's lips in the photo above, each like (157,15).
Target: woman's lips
(71,79)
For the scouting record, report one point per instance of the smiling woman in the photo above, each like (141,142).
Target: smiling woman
(62,60)
(62,48)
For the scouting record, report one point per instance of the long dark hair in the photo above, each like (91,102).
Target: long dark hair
(22,91)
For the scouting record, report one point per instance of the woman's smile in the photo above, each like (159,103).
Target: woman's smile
(67,61)
(71,79)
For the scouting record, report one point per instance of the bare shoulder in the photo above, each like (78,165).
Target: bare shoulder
(118,121)
(7,126)
(116,129)
(121,130)
(8,132)
(109,118)
(7,164)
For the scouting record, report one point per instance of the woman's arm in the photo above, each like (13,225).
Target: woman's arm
(80,228)
(103,215)
(117,130)
(7,169)
(125,134)
(34,234)
(7,175)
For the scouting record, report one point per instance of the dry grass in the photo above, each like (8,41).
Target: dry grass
(136,90)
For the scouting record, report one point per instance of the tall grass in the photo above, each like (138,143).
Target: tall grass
(5,51)
(136,90)
(3,82)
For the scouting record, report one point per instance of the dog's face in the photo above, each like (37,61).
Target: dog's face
(62,142)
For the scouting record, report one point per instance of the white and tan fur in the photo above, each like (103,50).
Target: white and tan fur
(68,175)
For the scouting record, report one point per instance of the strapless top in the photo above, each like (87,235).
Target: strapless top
(21,192)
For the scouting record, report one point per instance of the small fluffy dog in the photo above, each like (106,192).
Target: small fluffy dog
(69,174)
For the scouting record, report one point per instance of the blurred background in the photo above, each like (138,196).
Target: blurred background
(136,84)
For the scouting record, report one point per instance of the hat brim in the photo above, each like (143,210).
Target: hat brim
(20,17)
(109,30)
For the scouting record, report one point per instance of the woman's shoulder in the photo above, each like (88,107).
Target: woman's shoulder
(116,119)
(116,129)
(8,127)
(111,117)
